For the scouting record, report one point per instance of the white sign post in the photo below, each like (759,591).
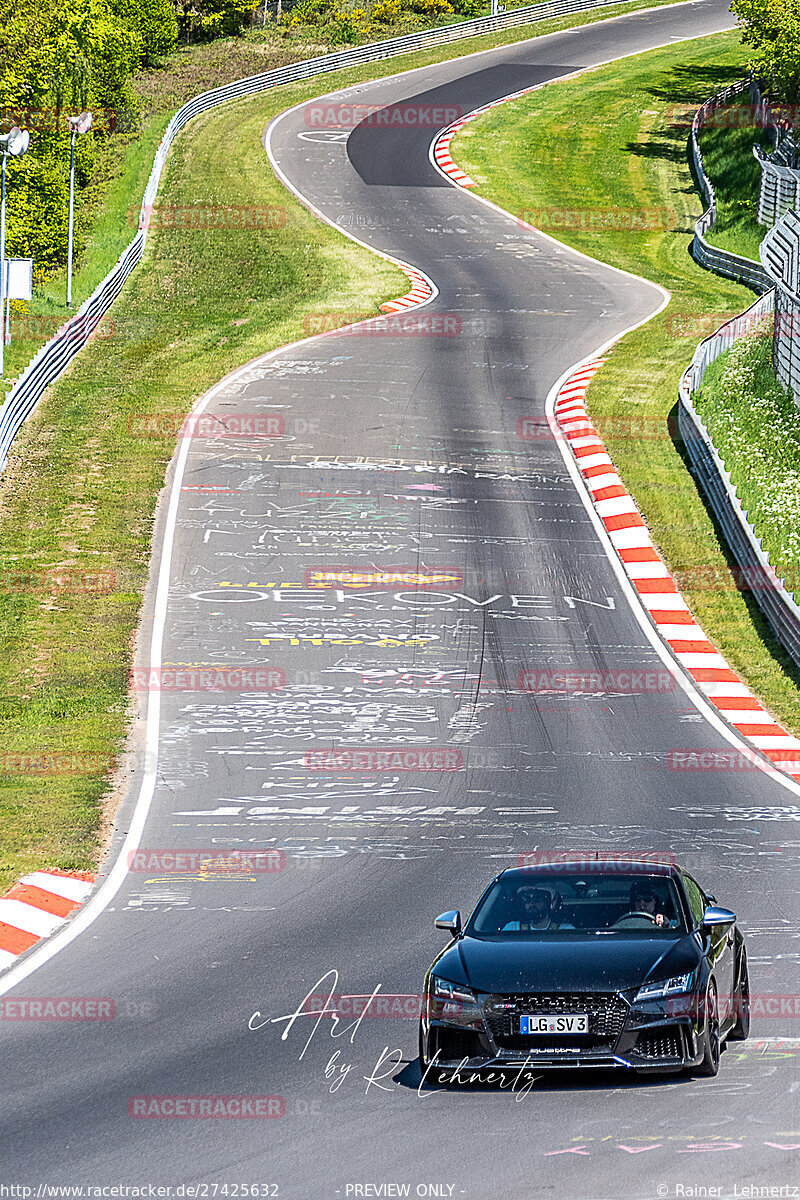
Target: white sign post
(17,285)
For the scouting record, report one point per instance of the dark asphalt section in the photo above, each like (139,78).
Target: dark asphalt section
(404,452)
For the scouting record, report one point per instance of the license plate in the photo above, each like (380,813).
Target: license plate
(555,1023)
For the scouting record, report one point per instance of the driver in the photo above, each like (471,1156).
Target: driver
(645,899)
(535,905)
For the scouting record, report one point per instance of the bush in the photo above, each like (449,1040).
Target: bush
(311,12)
(387,11)
(431,8)
(38,198)
(469,8)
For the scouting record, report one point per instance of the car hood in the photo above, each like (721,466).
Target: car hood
(566,964)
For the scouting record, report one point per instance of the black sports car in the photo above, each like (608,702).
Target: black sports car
(591,962)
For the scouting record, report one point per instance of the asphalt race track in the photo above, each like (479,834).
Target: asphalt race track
(401,451)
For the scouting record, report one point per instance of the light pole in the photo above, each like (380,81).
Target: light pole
(14,142)
(79,124)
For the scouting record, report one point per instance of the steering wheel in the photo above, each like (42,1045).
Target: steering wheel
(634,916)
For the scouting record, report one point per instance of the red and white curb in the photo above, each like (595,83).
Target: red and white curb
(441,153)
(656,588)
(36,906)
(420,290)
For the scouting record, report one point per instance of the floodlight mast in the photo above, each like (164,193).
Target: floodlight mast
(80,124)
(15,142)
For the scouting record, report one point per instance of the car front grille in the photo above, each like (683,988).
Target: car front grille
(606,1012)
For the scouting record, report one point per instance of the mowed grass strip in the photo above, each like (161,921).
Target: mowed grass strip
(78,498)
(605,141)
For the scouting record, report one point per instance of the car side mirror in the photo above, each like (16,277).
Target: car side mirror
(714,916)
(450,922)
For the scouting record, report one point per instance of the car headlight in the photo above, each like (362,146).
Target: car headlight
(442,989)
(666,987)
(453,1002)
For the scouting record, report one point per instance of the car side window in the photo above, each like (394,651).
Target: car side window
(696,899)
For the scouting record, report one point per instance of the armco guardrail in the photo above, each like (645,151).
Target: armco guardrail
(755,569)
(55,355)
(779,253)
(713,258)
(779,189)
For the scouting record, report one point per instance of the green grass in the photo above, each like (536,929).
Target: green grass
(79,492)
(606,138)
(756,429)
(733,170)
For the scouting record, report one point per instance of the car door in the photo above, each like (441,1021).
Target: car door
(720,941)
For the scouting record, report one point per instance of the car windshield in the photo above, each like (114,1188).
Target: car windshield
(587,904)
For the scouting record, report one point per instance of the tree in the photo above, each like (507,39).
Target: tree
(154,20)
(202,20)
(772,28)
(58,57)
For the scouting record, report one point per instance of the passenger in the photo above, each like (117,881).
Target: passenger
(536,908)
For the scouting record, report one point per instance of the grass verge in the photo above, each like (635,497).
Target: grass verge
(79,492)
(606,138)
(756,430)
(727,148)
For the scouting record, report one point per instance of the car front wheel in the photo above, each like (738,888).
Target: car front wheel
(741,999)
(712,1046)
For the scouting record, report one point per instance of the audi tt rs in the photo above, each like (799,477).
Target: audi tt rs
(623,963)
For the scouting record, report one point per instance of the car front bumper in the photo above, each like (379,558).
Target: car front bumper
(641,1037)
